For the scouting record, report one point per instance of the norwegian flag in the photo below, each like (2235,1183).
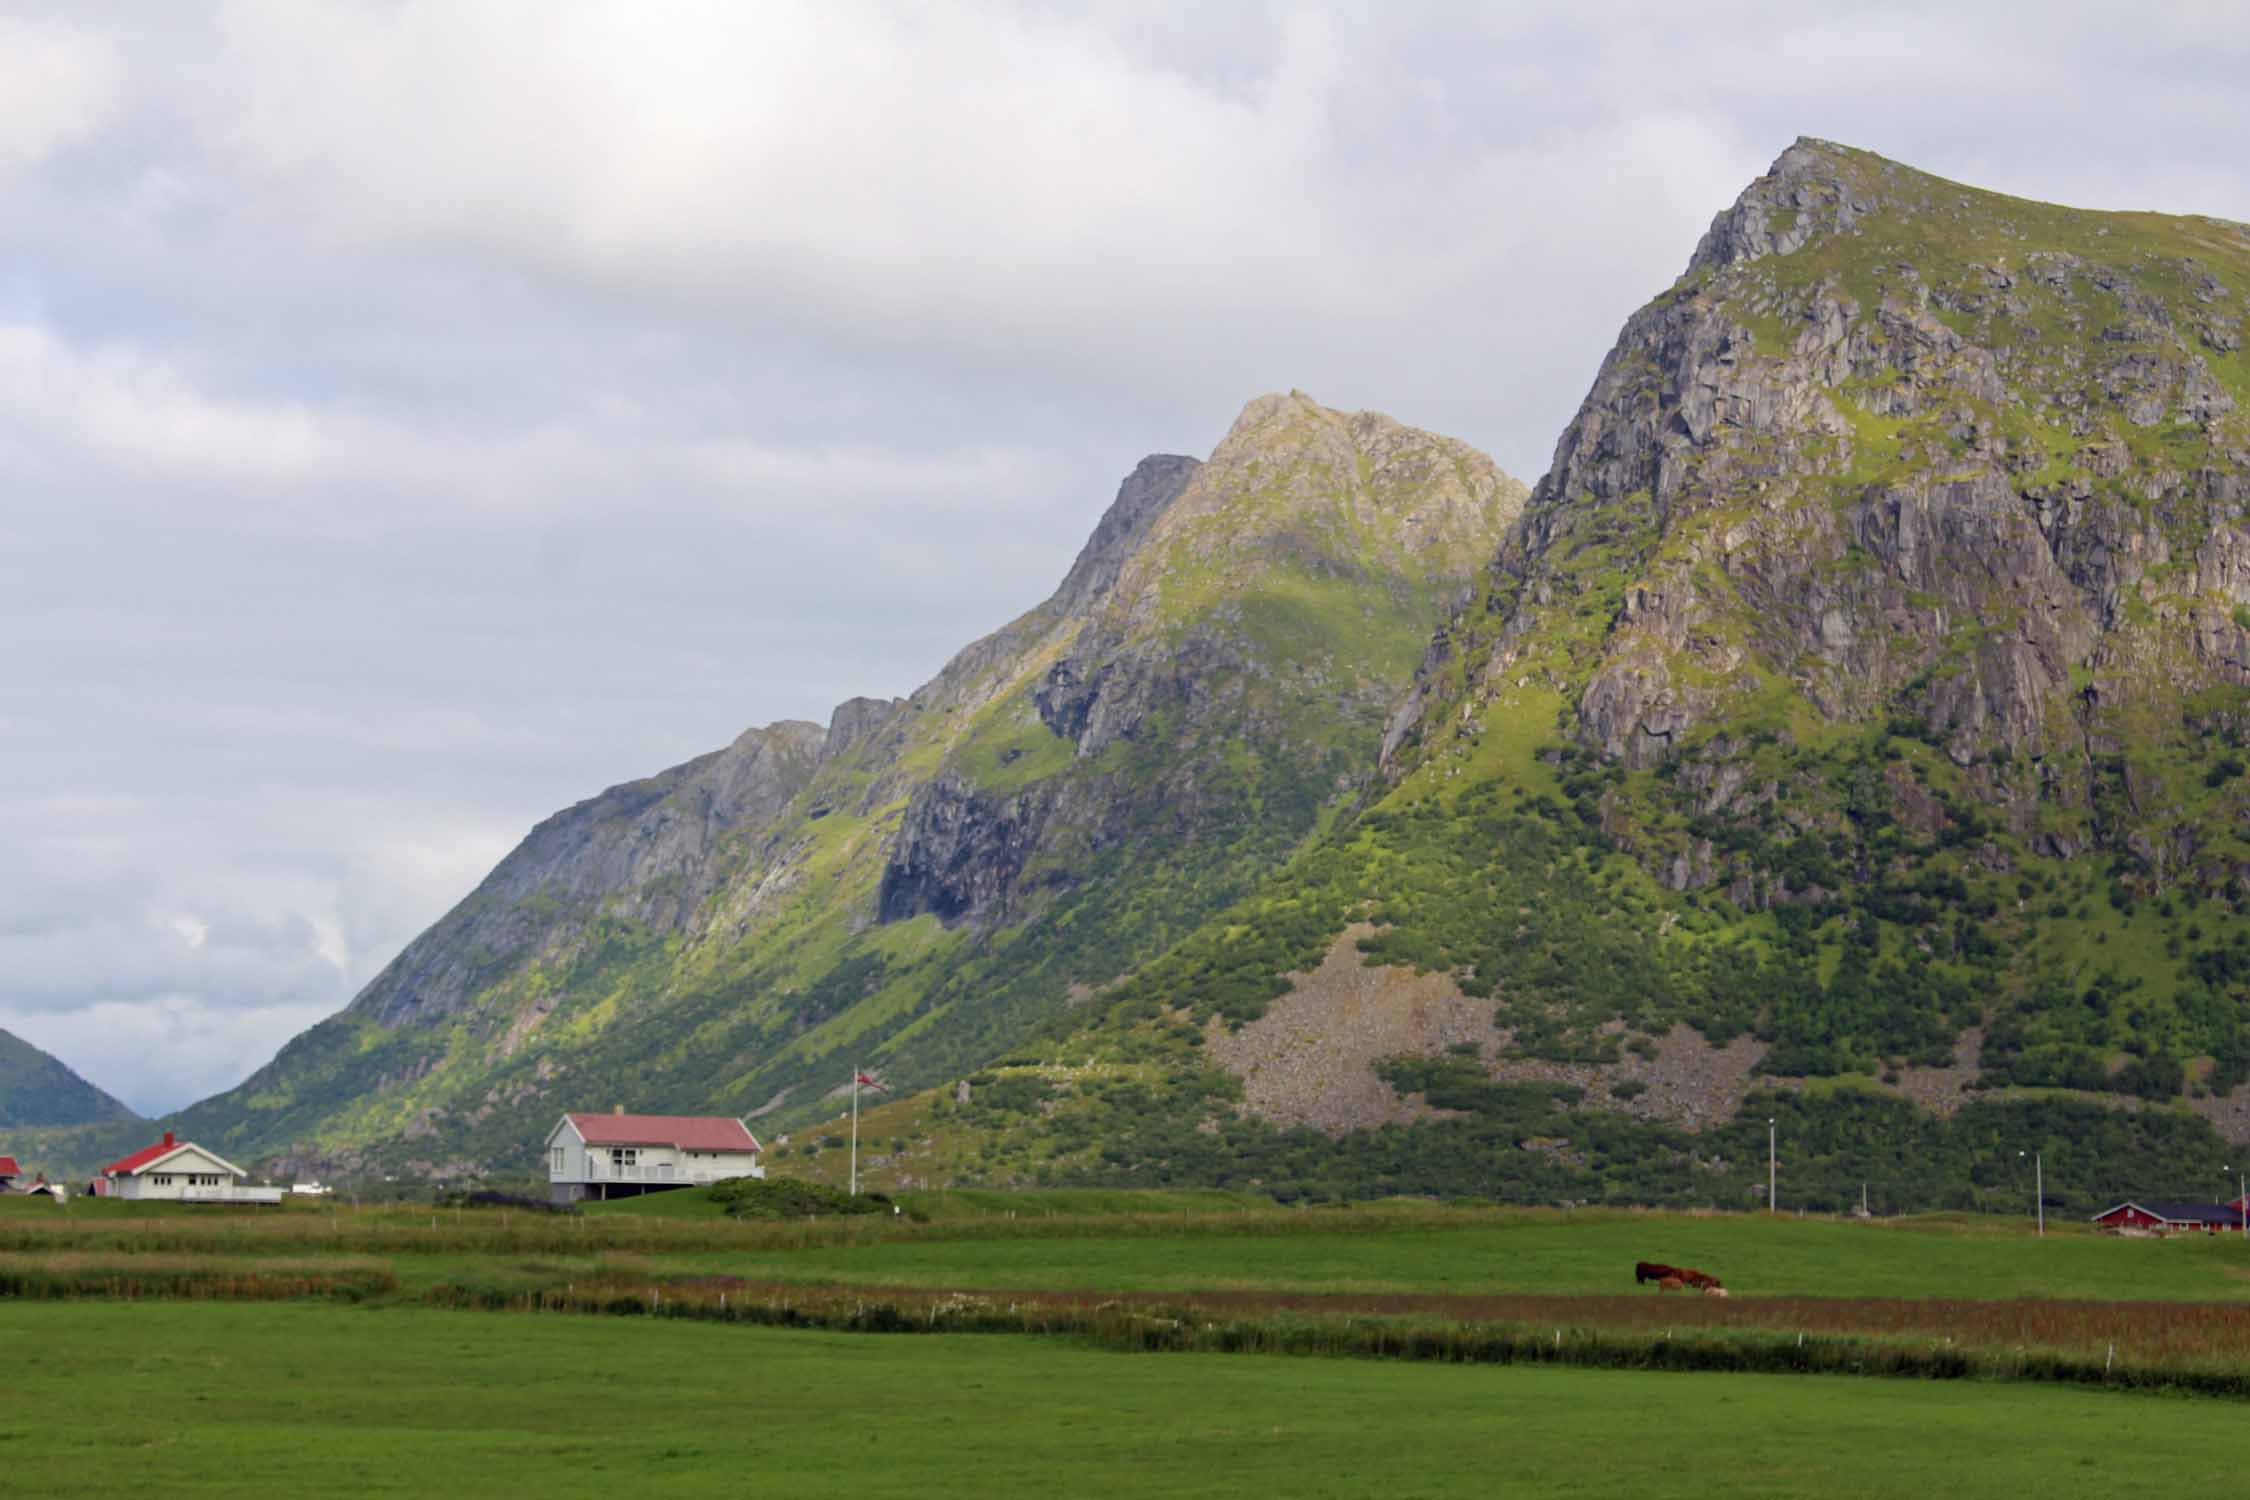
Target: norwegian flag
(866,1081)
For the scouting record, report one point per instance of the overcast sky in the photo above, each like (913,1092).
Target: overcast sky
(417,417)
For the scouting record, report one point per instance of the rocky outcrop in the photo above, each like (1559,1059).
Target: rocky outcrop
(1845,461)
(959,851)
(1191,642)
(647,852)
(1152,487)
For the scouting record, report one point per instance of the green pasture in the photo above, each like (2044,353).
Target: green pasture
(1538,1251)
(98,1399)
(949,1204)
(1181,1242)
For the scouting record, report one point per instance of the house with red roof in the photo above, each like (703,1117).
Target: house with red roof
(179,1171)
(618,1155)
(9,1171)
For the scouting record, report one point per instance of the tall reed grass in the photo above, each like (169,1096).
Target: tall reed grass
(1188,1327)
(53,1278)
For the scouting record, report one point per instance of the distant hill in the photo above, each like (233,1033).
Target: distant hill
(36,1089)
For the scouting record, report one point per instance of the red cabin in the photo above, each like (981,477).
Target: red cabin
(2171,1216)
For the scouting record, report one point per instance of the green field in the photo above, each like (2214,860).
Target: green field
(949,1204)
(1189,1242)
(1552,1252)
(1001,1343)
(98,1399)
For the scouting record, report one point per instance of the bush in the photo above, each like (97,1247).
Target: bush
(487,1198)
(790,1198)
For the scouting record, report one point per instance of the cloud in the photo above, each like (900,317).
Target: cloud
(62,87)
(158,1053)
(167,438)
(418,415)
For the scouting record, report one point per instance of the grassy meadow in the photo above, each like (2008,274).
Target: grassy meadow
(1176,1343)
(308,1400)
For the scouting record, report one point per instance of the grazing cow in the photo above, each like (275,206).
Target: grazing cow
(1694,1277)
(1671,1284)
(1650,1270)
(1714,1290)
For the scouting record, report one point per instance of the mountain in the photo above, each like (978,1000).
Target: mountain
(1849,734)
(36,1089)
(921,882)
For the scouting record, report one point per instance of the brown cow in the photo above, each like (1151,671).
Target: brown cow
(1671,1284)
(1694,1277)
(1652,1270)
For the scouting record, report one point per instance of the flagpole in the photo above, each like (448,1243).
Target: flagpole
(855,1132)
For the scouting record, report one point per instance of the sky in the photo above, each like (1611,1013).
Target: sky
(416,417)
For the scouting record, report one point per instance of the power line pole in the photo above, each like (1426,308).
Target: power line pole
(1771,1206)
(855,1132)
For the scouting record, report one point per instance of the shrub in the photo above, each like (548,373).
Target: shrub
(790,1198)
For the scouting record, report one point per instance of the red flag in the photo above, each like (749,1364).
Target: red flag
(866,1082)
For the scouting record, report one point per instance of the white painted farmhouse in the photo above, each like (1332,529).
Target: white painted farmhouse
(618,1155)
(181,1171)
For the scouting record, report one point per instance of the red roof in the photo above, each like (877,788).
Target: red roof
(686,1132)
(143,1157)
(8,1167)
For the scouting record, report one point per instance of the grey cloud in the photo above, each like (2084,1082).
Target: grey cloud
(404,434)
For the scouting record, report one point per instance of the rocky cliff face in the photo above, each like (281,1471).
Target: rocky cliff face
(1862,693)
(1216,609)
(648,852)
(922,881)
(1898,450)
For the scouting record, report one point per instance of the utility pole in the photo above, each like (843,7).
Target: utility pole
(2241,1204)
(855,1132)
(1771,1207)
(1863,1213)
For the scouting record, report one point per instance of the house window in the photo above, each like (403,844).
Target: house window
(555,1160)
(161,1179)
(624,1156)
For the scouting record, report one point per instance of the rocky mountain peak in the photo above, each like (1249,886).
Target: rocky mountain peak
(1298,486)
(1156,481)
(1814,187)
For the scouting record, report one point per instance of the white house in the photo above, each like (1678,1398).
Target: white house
(618,1155)
(180,1171)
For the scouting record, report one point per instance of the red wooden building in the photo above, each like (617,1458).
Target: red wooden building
(2171,1216)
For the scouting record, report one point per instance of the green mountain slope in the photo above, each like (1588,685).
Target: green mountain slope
(918,885)
(1850,733)
(37,1089)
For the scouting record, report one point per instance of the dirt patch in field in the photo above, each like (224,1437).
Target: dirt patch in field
(1309,1060)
